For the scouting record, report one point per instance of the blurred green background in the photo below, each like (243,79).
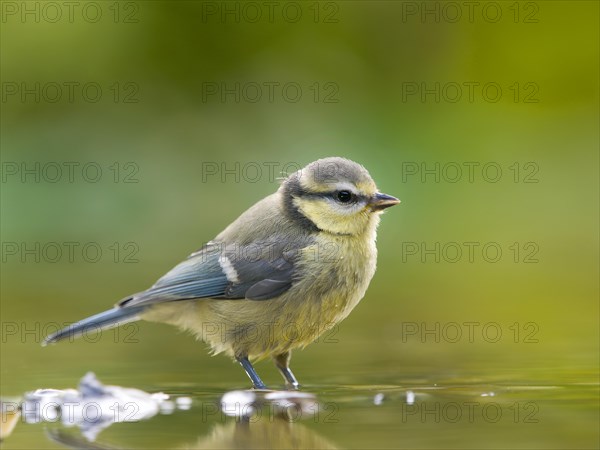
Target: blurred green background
(375,82)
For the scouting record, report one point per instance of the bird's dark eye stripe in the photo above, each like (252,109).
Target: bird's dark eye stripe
(345,196)
(300,192)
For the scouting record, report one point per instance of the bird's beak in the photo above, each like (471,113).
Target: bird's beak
(381,201)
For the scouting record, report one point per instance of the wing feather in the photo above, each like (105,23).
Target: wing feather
(262,271)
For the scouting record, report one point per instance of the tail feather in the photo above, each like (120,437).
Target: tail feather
(105,320)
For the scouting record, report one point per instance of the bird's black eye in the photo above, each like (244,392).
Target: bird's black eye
(344,196)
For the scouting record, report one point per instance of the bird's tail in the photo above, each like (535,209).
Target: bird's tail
(105,320)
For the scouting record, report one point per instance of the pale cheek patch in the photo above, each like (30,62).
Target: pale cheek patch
(322,215)
(228,269)
(314,210)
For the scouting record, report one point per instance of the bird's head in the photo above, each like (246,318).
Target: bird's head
(335,195)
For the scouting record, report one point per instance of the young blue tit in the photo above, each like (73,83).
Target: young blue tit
(284,272)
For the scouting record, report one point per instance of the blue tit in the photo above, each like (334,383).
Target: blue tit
(284,272)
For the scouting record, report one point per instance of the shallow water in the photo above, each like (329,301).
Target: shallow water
(410,410)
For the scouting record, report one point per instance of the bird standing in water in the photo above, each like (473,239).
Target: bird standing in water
(284,272)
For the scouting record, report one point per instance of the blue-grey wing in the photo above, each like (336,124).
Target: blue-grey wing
(255,272)
(262,278)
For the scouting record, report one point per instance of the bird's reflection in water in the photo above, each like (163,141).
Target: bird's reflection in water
(240,434)
(276,433)
(259,419)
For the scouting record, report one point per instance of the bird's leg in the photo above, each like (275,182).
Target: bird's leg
(283,364)
(256,381)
